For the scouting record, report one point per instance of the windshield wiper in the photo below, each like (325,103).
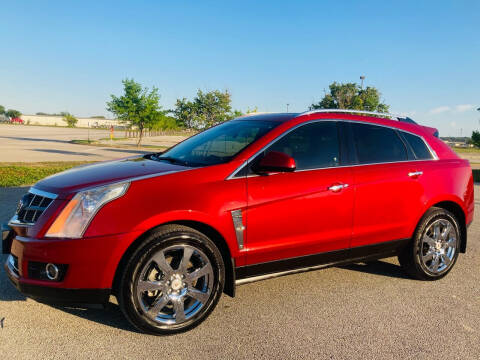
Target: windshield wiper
(171,159)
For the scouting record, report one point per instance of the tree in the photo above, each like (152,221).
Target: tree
(2,110)
(475,140)
(69,119)
(137,106)
(165,123)
(238,113)
(206,109)
(12,114)
(351,96)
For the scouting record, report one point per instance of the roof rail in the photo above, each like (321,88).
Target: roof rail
(397,117)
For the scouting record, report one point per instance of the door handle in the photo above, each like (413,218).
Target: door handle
(337,187)
(415,174)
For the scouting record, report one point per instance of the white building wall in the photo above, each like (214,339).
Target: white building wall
(58,121)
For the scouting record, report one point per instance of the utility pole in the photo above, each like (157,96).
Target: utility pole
(287,107)
(478,118)
(362,77)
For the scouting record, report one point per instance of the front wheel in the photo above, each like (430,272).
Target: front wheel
(172,282)
(434,247)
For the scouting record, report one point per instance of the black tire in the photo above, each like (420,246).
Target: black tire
(412,257)
(159,242)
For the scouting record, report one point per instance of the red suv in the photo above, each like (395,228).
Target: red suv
(250,198)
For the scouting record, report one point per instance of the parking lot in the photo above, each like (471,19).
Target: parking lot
(353,312)
(45,143)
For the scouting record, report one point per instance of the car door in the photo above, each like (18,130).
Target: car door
(387,190)
(304,212)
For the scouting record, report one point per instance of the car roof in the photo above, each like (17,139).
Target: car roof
(281,117)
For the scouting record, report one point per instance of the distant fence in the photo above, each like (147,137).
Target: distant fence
(135,133)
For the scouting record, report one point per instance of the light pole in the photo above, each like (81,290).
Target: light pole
(287,107)
(478,118)
(362,77)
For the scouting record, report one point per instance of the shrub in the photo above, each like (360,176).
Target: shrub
(70,119)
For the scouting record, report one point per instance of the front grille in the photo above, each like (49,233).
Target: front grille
(31,207)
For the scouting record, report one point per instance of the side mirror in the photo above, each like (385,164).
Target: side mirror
(275,161)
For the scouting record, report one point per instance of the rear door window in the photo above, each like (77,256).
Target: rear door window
(420,149)
(378,144)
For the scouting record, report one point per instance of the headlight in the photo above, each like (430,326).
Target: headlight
(75,217)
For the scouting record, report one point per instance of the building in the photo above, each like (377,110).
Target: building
(57,120)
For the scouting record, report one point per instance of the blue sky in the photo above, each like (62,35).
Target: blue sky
(424,56)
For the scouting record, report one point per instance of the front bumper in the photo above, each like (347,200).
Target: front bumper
(92,263)
(7,238)
(58,295)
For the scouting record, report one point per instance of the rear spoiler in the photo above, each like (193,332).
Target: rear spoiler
(431,130)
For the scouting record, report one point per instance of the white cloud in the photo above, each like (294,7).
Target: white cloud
(464,107)
(439,110)
(457,108)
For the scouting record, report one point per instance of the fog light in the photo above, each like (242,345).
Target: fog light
(46,271)
(52,271)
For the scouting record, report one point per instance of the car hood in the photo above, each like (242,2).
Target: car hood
(104,173)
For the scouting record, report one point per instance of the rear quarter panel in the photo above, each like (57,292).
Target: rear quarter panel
(446,180)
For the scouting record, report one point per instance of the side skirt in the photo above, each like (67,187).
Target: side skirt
(256,272)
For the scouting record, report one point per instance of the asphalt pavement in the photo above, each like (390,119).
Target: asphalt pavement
(20,143)
(352,312)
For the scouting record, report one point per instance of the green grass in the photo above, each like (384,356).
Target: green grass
(466,150)
(82,142)
(114,139)
(19,174)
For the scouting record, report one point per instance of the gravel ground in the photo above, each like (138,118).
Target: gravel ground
(352,312)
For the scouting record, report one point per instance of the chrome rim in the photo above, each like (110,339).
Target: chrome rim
(439,244)
(174,284)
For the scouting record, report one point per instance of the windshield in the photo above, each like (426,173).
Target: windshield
(218,144)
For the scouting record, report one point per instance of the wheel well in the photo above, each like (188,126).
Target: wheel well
(455,209)
(205,229)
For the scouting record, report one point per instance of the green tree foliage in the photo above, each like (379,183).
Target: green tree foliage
(166,123)
(2,110)
(205,110)
(238,113)
(69,119)
(12,114)
(137,107)
(475,140)
(54,114)
(351,96)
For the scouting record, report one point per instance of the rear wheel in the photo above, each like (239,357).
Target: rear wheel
(434,247)
(172,282)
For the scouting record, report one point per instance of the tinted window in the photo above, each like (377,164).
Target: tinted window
(312,146)
(418,146)
(377,144)
(220,143)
